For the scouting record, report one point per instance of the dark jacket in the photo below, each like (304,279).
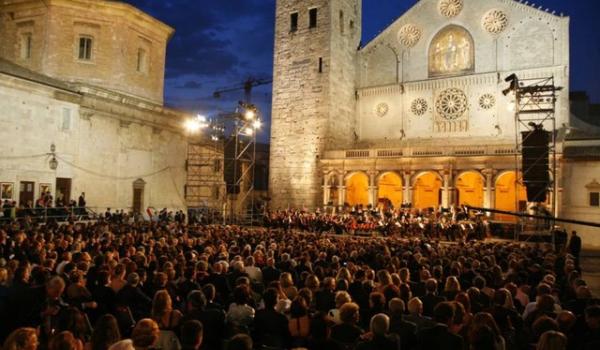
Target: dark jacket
(439,337)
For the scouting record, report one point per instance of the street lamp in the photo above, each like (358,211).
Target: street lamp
(53,163)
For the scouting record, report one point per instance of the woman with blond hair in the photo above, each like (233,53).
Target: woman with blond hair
(552,340)
(451,288)
(486,319)
(287,284)
(145,334)
(341,298)
(22,339)
(168,320)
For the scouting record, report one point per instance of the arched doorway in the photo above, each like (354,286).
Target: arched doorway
(357,189)
(333,190)
(469,189)
(510,195)
(426,191)
(390,189)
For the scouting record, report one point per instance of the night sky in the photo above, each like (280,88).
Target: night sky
(220,43)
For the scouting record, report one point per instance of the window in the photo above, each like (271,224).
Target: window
(320,64)
(217,192)
(594,199)
(66,119)
(26,46)
(294,22)
(312,18)
(85,48)
(342,22)
(141,61)
(217,165)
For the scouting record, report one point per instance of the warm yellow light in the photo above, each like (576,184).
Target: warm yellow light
(257,124)
(192,125)
(250,114)
(248,131)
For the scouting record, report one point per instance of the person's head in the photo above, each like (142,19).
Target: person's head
(299,307)
(65,341)
(241,294)
(196,300)
(191,334)
(573,233)
(22,339)
(545,303)
(270,297)
(341,298)
(145,334)
(482,337)
(240,342)
(592,317)
(452,284)
(349,313)
(55,287)
(484,318)
(396,306)
(126,344)
(380,324)
(431,286)
(209,291)
(566,320)
(543,324)
(444,313)
(415,306)
(161,304)
(106,332)
(552,340)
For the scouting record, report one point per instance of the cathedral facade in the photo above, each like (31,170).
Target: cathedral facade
(416,116)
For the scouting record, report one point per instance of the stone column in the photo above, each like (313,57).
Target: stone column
(446,189)
(407,193)
(326,188)
(489,180)
(559,190)
(372,188)
(342,189)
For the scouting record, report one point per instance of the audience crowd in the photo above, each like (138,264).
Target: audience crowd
(125,284)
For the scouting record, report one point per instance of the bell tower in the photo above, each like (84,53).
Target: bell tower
(314,104)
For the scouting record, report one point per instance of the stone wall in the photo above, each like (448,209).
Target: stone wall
(313,88)
(103,143)
(118,31)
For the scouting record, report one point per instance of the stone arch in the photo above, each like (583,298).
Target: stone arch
(357,188)
(334,184)
(451,52)
(427,188)
(470,188)
(381,66)
(390,188)
(510,194)
(138,195)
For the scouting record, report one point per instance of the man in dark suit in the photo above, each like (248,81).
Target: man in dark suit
(270,272)
(407,331)
(212,319)
(431,298)
(415,315)
(380,325)
(575,247)
(132,295)
(271,327)
(439,336)
(325,297)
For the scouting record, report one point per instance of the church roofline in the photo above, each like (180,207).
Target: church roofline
(523,5)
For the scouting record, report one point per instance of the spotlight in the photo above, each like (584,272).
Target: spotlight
(249,131)
(192,125)
(257,124)
(250,114)
(514,84)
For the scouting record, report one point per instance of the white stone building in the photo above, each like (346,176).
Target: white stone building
(87,77)
(417,115)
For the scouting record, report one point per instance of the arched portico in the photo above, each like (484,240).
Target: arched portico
(510,195)
(390,188)
(426,190)
(470,189)
(357,189)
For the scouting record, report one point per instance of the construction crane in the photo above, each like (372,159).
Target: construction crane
(247,86)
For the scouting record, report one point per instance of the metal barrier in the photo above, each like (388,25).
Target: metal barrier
(50,213)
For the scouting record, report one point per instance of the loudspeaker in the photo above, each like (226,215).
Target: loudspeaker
(535,157)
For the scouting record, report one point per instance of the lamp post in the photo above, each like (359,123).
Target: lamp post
(53,163)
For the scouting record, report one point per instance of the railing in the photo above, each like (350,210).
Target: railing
(49,213)
(450,151)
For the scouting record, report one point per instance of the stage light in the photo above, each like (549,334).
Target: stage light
(192,125)
(250,114)
(248,131)
(257,124)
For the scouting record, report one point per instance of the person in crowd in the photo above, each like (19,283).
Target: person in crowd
(552,340)
(145,334)
(575,247)
(106,333)
(348,332)
(407,331)
(240,342)
(22,339)
(431,297)
(191,335)
(270,326)
(380,339)
(440,336)
(212,319)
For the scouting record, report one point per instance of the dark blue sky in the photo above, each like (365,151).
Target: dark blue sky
(220,43)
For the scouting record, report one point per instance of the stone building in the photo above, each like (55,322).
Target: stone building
(87,77)
(417,115)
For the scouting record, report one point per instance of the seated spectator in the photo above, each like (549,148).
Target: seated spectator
(145,334)
(191,335)
(240,342)
(168,321)
(212,319)
(431,298)
(415,315)
(552,340)
(106,333)
(240,314)
(65,341)
(270,326)
(22,339)
(341,298)
(380,339)
(439,336)
(347,333)
(407,331)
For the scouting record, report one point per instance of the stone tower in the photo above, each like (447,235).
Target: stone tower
(314,84)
